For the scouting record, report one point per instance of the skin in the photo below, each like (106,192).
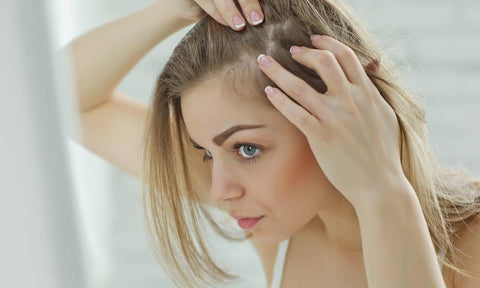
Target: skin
(337,216)
(354,135)
(224,12)
(341,127)
(299,191)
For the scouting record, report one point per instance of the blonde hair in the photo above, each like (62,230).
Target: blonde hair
(448,197)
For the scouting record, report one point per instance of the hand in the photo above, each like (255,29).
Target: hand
(223,11)
(352,131)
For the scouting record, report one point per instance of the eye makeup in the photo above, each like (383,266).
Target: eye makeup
(238,149)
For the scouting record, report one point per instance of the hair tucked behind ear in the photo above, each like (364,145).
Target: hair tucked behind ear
(172,200)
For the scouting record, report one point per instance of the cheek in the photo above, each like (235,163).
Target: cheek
(297,176)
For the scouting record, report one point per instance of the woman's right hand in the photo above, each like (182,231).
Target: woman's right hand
(223,11)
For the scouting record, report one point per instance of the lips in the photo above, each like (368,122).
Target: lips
(247,223)
(244,217)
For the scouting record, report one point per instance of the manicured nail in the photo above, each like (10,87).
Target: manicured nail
(238,22)
(264,60)
(270,91)
(255,17)
(295,50)
(315,37)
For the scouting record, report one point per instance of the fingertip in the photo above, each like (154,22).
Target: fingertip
(256,17)
(238,22)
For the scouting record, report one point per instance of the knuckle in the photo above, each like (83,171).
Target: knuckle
(324,58)
(347,52)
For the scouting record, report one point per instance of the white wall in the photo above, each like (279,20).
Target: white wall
(39,241)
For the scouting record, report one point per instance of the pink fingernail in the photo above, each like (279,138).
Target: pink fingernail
(238,22)
(255,17)
(315,37)
(269,90)
(295,50)
(264,60)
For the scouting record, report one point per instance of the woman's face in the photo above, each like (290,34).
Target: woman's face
(275,174)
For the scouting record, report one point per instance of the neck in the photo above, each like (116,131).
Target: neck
(338,227)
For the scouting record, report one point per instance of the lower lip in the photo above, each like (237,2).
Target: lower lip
(247,223)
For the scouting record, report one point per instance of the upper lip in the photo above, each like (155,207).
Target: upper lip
(244,217)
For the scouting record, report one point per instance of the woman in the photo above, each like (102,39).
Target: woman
(279,124)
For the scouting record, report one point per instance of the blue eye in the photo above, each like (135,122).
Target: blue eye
(248,153)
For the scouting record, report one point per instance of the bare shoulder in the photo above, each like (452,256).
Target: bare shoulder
(468,242)
(267,253)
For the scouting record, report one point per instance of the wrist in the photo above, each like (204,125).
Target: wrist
(178,15)
(387,195)
(167,17)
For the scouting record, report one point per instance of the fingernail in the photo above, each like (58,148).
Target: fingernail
(269,90)
(255,17)
(315,37)
(238,22)
(264,60)
(295,50)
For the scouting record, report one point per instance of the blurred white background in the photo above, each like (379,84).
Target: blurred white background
(439,40)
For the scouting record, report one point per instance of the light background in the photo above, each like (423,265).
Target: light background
(438,40)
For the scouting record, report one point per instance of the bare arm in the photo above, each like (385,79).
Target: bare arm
(111,122)
(405,255)
(102,57)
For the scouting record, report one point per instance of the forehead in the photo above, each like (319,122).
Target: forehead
(225,92)
(210,107)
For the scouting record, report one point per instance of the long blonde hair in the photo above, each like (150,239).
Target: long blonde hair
(448,197)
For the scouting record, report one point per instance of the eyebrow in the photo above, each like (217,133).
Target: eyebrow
(222,137)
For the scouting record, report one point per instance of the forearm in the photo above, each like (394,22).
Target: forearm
(104,56)
(398,250)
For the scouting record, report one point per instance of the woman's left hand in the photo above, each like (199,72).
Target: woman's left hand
(352,131)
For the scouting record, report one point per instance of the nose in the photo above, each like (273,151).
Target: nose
(224,185)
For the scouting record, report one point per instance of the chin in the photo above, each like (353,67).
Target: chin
(265,236)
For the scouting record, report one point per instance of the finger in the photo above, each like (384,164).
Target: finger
(252,10)
(293,112)
(325,64)
(293,86)
(209,7)
(345,56)
(230,13)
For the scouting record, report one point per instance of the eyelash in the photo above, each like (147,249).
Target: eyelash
(235,147)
